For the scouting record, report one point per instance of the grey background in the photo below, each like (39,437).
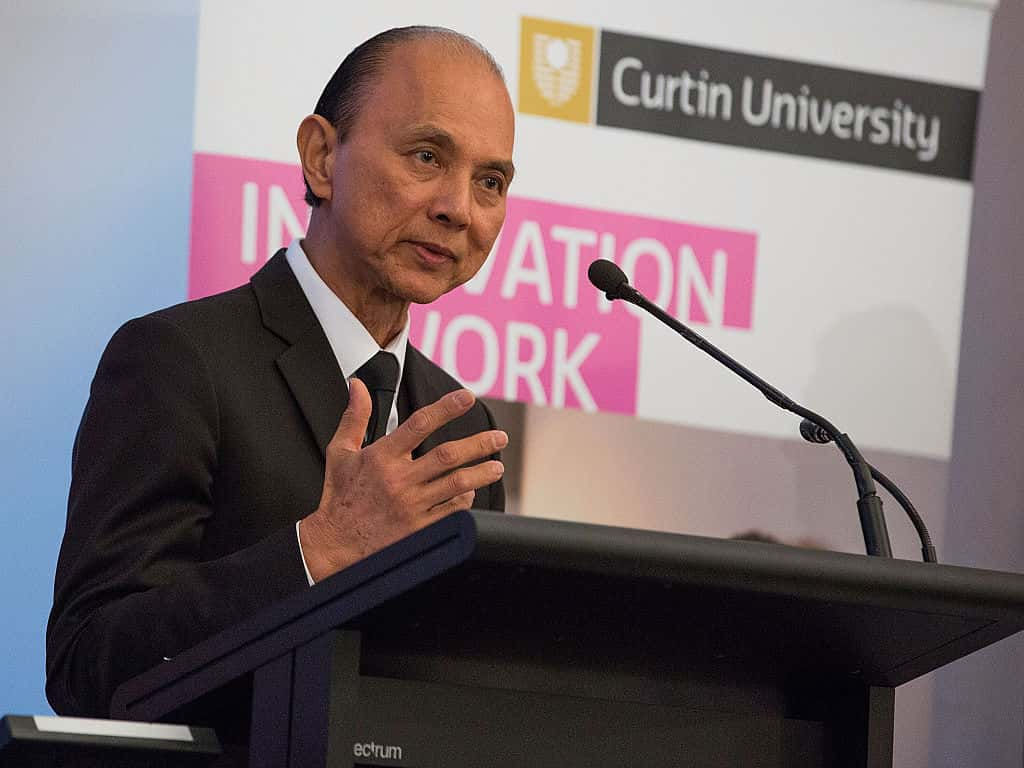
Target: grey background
(979,701)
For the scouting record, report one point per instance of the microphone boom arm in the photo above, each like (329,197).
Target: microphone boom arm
(869,505)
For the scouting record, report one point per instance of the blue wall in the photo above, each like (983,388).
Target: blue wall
(94,211)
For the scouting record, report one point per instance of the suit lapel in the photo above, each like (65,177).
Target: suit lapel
(311,371)
(317,384)
(422,386)
(308,365)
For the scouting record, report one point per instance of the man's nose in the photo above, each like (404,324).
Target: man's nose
(452,205)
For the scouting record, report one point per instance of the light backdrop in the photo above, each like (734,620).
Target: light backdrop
(98,234)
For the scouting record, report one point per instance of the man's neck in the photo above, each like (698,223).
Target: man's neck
(383,317)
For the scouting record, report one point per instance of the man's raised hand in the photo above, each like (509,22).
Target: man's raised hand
(376,495)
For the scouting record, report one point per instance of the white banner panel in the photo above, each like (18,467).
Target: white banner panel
(792,177)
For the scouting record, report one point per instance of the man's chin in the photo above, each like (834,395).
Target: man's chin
(419,293)
(423,287)
(425,298)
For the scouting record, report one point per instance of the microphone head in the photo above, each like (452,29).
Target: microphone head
(606,276)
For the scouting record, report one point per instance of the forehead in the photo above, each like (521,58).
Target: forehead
(433,81)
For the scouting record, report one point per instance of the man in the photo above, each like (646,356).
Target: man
(220,464)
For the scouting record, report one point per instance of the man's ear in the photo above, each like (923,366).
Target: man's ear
(317,140)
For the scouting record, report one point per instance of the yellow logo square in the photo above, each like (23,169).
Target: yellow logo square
(556,66)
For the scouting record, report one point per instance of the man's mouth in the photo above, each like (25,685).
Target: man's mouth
(432,253)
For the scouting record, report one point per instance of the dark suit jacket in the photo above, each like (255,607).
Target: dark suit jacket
(201,445)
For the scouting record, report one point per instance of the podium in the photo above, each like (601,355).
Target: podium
(499,641)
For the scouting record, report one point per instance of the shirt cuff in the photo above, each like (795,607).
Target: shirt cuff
(305,567)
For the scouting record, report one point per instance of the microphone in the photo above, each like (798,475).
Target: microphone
(609,278)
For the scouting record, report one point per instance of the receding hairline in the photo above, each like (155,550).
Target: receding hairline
(456,42)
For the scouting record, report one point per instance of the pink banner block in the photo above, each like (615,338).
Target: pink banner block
(240,216)
(529,327)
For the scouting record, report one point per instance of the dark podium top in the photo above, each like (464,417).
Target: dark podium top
(566,609)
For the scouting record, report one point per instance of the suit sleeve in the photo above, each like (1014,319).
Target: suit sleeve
(131,586)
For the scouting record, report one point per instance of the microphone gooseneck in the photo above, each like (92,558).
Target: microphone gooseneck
(609,278)
(812,433)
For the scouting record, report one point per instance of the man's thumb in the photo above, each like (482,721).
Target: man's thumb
(352,427)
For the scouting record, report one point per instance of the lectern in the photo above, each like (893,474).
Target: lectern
(498,641)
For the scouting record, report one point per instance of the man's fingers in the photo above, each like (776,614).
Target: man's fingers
(462,481)
(452,455)
(460,502)
(429,418)
(352,427)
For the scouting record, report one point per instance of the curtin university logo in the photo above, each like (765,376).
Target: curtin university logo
(726,97)
(556,69)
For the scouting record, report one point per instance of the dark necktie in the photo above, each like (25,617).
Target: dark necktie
(380,375)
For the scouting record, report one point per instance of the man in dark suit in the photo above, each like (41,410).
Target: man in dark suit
(222,463)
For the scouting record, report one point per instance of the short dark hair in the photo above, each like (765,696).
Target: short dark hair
(350,85)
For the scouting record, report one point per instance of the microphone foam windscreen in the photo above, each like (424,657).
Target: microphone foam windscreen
(606,276)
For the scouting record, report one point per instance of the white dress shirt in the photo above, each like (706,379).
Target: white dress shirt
(352,344)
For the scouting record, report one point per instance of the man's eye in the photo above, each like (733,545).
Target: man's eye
(494,183)
(426,156)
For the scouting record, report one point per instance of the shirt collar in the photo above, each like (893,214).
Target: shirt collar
(351,343)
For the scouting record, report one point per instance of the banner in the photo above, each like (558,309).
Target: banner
(790,209)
